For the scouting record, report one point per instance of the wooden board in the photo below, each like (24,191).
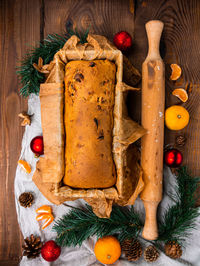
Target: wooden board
(102,17)
(180,44)
(27,21)
(19,27)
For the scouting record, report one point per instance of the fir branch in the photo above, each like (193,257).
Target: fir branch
(179,219)
(78,225)
(30,78)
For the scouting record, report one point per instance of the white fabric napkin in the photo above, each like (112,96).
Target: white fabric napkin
(84,255)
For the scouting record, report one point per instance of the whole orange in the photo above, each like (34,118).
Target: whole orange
(107,249)
(176,117)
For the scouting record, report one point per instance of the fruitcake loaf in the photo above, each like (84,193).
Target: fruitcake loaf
(88,119)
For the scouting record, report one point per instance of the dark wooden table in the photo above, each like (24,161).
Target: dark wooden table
(24,22)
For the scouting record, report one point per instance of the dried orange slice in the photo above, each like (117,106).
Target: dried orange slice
(44,209)
(176,71)
(26,166)
(181,94)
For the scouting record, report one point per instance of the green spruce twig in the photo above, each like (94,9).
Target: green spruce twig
(176,224)
(180,218)
(78,225)
(30,78)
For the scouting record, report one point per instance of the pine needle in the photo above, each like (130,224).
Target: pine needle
(78,225)
(30,78)
(176,224)
(180,219)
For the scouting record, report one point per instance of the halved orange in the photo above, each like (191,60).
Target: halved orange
(26,166)
(176,71)
(181,94)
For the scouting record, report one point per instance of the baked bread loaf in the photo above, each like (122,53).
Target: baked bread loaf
(88,117)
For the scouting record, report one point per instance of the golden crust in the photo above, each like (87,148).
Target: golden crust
(89,103)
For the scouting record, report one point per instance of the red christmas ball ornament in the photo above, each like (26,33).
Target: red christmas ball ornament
(173,158)
(50,251)
(37,145)
(122,40)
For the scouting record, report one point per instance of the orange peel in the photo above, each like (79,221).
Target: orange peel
(25,166)
(176,71)
(181,94)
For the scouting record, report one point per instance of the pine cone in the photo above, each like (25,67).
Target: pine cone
(132,249)
(173,249)
(151,254)
(180,140)
(26,199)
(32,247)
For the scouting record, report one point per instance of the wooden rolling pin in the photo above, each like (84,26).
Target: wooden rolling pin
(153,100)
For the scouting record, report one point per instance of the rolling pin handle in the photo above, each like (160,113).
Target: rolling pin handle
(154,30)
(150,231)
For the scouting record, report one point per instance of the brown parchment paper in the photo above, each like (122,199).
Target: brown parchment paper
(125,132)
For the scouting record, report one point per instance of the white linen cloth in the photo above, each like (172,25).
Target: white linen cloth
(84,255)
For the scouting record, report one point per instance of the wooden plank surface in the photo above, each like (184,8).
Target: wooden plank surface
(19,27)
(24,22)
(102,17)
(180,44)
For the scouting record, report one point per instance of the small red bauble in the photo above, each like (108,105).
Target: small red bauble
(37,145)
(173,158)
(122,40)
(50,251)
